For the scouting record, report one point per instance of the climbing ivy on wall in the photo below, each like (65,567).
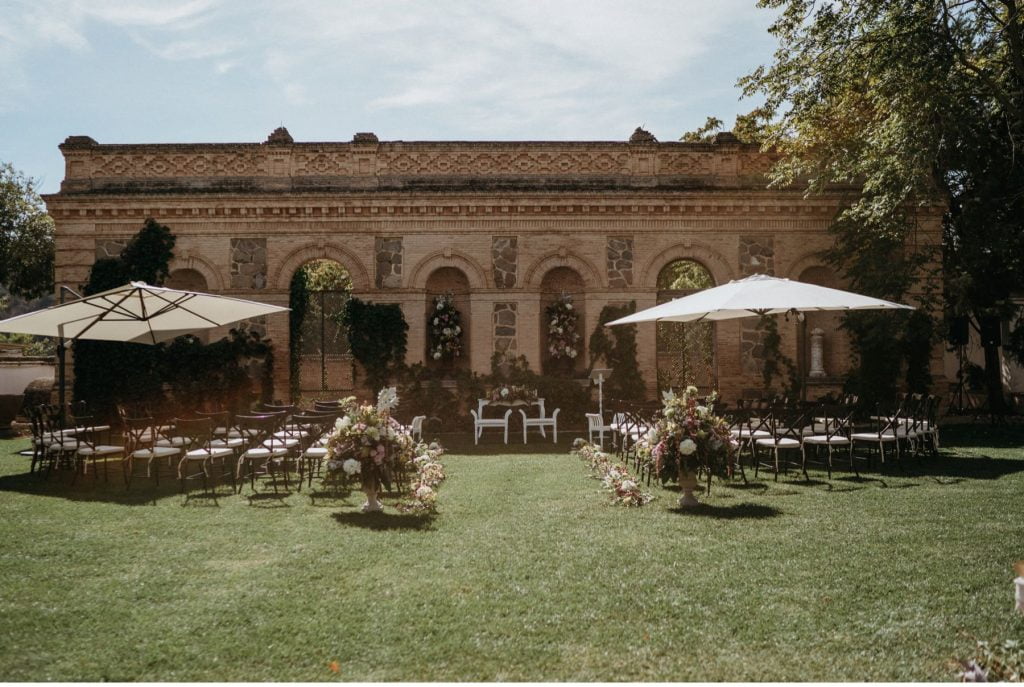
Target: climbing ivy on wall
(377,336)
(617,347)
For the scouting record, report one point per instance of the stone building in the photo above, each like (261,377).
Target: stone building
(506,226)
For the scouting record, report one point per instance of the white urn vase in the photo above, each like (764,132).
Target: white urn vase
(687,485)
(372,505)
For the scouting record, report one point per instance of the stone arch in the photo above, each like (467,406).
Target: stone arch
(535,274)
(282,274)
(806,261)
(187,261)
(721,270)
(476,274)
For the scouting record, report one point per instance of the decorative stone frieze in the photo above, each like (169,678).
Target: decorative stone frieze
(388,252)
(620,261)
(505,261)
(757,255)
(506,317)
(248,263)
(110,248)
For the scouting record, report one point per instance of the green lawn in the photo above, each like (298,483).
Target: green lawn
(525,574)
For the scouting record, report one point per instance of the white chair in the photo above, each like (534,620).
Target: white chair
(479,424)
(416,427)
(541,423)
(595,426)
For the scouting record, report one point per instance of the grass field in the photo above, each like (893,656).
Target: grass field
(524,574)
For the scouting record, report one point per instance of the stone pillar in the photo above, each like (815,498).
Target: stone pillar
(505,341)
(817,353)
(505,261)
(619,251)
(388,258)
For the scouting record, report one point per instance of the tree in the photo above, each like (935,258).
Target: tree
(26,236)
(913,105)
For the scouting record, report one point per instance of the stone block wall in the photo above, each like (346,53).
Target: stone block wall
(388,259)
(505,261)
(248,263)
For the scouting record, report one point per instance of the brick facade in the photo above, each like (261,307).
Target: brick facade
(246,216)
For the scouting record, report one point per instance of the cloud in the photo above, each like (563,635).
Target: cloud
(572,67)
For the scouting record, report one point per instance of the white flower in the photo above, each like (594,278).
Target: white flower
(701,410)
(424,492)
(437,355)
(504,392)
(446,331)
(568,306)
(436,321)
(440,306)
(458,329)
(343,423)
(628,485)
(352,466)
(687,447)
(387,399)
(667,396)
(333,465)
(691,390)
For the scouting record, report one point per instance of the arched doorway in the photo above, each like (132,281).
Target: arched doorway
(445,280)
(561,293)
(319,353)
(686,350)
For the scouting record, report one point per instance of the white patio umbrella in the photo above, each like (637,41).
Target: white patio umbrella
(134,313)
(756,295)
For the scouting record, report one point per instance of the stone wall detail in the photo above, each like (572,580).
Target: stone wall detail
(757,255)
(253,325)
(505,261)
(248,263)
(620,261)
(388,258)
(505,320)
(110,248)
(751,346)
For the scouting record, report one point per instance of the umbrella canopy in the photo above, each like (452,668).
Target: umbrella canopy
(138,313)
(756,295)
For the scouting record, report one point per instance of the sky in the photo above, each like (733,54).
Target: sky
(172,71)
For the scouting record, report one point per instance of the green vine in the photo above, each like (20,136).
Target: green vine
(774,358)
(378,336)
(617,347)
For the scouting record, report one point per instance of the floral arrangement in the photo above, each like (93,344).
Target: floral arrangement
(687,438)
(615,478)
(563,339)
(367,442)
(429,475)
(510,393)
(445,329)
(370,445)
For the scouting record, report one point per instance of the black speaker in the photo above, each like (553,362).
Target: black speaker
(959,331)
(991,331)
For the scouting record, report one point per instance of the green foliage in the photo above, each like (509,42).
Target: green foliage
(684,275)
(34,345)
(912,107)
(703,133)
(26,236)
(217,375)
(617,347)
(998,661)
(377,336)
(298,301)
(147,257)
(109,372)
(775,359)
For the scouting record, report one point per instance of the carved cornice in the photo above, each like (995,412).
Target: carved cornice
(363,164)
